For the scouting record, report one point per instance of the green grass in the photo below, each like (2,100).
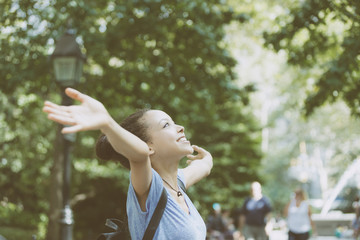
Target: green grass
(12,233)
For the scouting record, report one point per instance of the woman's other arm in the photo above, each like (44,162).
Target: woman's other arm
(199,166)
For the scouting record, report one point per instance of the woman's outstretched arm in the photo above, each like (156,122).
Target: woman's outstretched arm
(92,115)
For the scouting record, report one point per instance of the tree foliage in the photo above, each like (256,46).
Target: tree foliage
(323,36)
(329,133)
(169,55)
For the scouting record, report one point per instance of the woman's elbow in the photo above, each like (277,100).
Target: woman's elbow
(141,154)
(208,168)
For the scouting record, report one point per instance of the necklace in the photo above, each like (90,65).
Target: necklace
(178,192)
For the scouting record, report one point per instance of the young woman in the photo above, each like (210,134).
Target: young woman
(151,145)
(356,221)
(298,215)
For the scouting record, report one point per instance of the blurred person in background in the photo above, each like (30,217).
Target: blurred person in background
(215,224)
(298,214)
(220,225)
(356,221)
(254,214)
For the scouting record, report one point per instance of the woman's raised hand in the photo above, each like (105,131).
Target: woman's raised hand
(89,115)
(199,166)
(202,155)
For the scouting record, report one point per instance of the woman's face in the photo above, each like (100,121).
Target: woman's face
(299,195)
(167,138)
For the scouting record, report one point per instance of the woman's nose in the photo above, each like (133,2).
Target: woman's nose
(180,128)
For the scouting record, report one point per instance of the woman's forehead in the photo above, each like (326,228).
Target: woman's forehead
(156,116)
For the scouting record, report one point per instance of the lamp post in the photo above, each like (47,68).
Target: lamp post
(67,62)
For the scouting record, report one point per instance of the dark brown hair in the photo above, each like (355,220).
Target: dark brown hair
(133,124)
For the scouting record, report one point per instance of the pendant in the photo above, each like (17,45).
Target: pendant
(179,194)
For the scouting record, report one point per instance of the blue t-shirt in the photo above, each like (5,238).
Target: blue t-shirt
(175,222)
(255,211)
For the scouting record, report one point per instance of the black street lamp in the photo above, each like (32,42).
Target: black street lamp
(67,61)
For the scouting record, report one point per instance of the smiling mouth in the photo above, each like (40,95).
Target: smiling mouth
(182,139)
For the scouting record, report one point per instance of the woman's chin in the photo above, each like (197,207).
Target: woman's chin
(191,150)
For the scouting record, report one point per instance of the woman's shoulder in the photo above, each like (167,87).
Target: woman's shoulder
(181,175)
(153,197)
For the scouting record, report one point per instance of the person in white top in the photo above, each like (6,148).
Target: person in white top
(356,221)
(298,215)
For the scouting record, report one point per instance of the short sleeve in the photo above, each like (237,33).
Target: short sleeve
(138,219)
(181,176)
(267,204)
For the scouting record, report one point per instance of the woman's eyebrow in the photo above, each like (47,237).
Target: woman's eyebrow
(166,120)
(163,120)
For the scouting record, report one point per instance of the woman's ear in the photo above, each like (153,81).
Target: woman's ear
(152,151)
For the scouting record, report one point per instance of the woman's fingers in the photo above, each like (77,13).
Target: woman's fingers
(198,155)
(198,149)
(87,116)
(50,107)
(60,118)
(191,157)
(75,94)
(195,147)
(72,125)
(57,111)
(72,93)
(201,153)
(59,114)
(48,103)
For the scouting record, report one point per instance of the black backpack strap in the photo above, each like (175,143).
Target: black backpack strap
(153,224)
(156,217)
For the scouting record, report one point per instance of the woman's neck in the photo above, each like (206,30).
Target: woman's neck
(298,201)
(168,172)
